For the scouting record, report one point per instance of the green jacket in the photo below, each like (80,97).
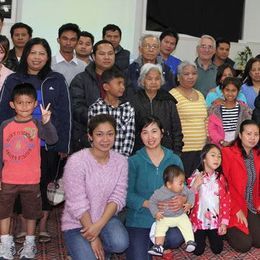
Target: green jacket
(144,178)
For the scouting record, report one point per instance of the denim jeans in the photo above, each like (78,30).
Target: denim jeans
(140,242)
(114,238)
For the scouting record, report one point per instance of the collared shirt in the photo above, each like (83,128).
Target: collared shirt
(69,69)
(125,121)
(206,78)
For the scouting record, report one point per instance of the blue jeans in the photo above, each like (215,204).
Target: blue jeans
(140,242)
(114,238)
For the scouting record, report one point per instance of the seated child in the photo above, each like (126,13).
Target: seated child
(20,167)
(174,179)
(115,105)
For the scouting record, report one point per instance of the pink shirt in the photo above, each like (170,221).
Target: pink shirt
(4,73)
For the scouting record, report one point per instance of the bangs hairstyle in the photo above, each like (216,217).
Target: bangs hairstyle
(221,70)
(24,89)
(232,80)
(111,74)
(146,68)
(23,65)
(171,172)
(100,119)
(148,120)
(203,154)
(4,44)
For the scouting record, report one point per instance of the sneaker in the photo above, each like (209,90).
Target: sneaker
(156,250)
(190,246)
(7,250)
(28,250)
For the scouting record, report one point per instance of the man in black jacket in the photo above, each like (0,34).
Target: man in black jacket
(86,88)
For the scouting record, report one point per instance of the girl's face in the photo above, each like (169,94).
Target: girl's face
(2,53)
(212,160)
(103,137)
(230,92)
(226,73)
(36,59)
(249,137)
(152,81)
(255,71)
(151,136)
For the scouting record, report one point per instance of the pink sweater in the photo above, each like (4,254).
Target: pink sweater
(90,186)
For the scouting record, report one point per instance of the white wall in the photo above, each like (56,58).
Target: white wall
(46,16)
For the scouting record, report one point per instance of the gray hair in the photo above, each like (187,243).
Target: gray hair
(206,36)
(146,68)
(145,36)
(185,64)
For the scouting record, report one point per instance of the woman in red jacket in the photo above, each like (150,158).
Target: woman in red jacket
(241,167)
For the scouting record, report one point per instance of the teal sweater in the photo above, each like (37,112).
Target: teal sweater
(144,178)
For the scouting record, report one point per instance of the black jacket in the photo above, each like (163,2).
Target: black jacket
(256,112)
(164,107)
(122,58)
(12,61)
(84,91)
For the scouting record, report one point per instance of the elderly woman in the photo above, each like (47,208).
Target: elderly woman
(192,109)
(251,78)
(152,100)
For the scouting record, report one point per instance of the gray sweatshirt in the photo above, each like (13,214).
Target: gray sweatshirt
(165,194)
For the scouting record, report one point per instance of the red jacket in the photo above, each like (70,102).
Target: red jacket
(234,169)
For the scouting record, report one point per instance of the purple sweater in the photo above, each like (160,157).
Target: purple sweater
(90,186)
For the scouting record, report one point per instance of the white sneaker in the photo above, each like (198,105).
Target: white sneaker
(7,250)
(28,250)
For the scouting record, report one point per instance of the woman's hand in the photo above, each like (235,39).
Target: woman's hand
(222,230)
(97,248)
(173,204)
(241,218)
(91,232)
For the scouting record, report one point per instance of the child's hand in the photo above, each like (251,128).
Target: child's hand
(159,215)
(198,180)
(187,207)
(222,230)
(46,114)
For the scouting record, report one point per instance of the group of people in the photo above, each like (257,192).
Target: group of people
(154,137)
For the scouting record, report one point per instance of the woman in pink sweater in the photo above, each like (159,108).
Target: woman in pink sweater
(95,183)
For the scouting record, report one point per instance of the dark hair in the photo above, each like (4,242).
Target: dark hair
(169,32)
(69,27)
(100,119)
(111,74)
(148,120)
(24,89)
(23,65)
(4,42)
(2,17)
(246,78)
(21,25)
(95,47)
(231,80)
(241,130)
(87,34)
(171,172)
(203,154)
(222,40)
(257,56)
(111,27)
(221,70)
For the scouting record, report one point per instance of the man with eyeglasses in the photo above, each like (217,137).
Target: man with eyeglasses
(207,71)
(149,48)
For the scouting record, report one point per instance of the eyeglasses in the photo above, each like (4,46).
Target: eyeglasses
(150,47)
(206,47)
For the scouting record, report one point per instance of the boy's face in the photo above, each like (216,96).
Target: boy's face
(23,106)
(177,184)
(115,87)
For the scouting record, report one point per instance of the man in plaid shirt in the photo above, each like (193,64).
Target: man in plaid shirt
(113,104)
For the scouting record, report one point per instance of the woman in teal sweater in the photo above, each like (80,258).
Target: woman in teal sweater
(145,176)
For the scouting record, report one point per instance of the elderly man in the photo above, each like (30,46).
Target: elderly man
(86,88)
(149,48)
(206,69)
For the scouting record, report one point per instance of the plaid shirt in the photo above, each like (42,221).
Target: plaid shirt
(125,119)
